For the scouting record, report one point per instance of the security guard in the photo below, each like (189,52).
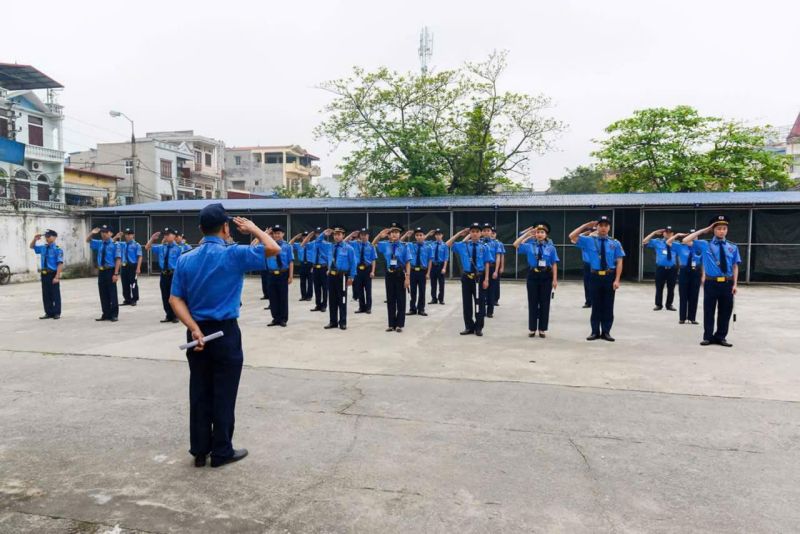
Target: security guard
(721,261)
(587,271)
(494,266)
(206,295)
(109,262)
(542,275)
(475,269)
(419,253)
(689,276)
(168,253)
(50,268)
(131,253)
(342,268)
(319,269)
(501,265)
(605,258)
(398,274)
(440,257)
(666,266)
(366,256)
(281,273)
(180,240)
(301,255)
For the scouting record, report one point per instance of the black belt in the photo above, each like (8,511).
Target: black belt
(334,273)
(542,270)
(418,268)
(603,273)
(471,276)
(168,272)
(320,266)
(689,267)
(719,279)
(104,268)
(277,272)
(45,271)
(393,271)
(665,267)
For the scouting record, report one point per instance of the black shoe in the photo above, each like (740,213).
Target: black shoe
(133,304)
(607,337)
(176,321)
(238,454)
(398,329)
(45,317)
(705,343)
(165,320)
(658,308)
(360,311)
(672,308)
(593,337)
(694,322)
(368,312)
(434,301)
(724,343)
(200,460)
(125,304)
(282,324)
(266,307)
(316,308)
(264,298)
(273,323)
(56,317)
(423,314)
(681,322)
(496,304)
(329,326)
(542,334)
(390,329)
(531,334)
(467,332)
(342,327)
(478,332)
(412,312)
(323,309)
(102,319)
(586,305)
(441,302)
(114,319)
(490,315)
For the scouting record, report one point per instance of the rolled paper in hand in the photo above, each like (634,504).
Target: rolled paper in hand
(206,339)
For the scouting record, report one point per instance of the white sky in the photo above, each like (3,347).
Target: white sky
(245,72)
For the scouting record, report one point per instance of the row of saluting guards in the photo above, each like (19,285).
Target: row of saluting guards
(205,287)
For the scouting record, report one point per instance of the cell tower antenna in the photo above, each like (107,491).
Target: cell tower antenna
(425,48)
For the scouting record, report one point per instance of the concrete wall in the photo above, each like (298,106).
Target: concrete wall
(267,176)
(18,228)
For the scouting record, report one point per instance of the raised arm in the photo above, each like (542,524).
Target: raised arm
(34,240)
(455,237)
(675,236)
(651,235)
(246,226)
(92,232)
(150,241)
(573,236)
(308,238)
(524,237)
(691,238)
(295,238)
(380,236)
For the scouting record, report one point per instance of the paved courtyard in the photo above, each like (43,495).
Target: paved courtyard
(424,431)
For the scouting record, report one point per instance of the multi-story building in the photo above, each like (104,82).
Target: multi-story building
(203,178)
(261,169)
(793,149)
(31,138)
(83,187)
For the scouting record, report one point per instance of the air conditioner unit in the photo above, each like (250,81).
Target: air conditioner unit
(35,165)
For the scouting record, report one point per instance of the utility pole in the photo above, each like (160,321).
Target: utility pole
(134,183)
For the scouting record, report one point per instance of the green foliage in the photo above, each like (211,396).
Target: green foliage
(670,150)
(307,191)
(581,179)
(422,135)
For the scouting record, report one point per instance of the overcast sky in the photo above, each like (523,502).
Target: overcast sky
(245,72)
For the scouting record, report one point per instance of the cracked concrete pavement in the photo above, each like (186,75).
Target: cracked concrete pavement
(364,431)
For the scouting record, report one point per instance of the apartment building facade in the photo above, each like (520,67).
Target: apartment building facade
(204,177)
(262,169)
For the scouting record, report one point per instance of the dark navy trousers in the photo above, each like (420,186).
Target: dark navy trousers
(602,295)
(130,286)
(51,295)
(214,376)
(666,276)
(166,287)
(362,286)
(320,276)
(717,296)
(418,283)
(278,294)
(473,300)
(587,291)
(306,284)
(396,298)
(689,293)
(109,301)
(437,282)
(540,286)
(337,291)
(265,284)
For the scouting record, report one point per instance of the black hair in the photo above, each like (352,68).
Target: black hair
(213,230)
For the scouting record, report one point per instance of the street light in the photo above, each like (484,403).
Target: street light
(134,185)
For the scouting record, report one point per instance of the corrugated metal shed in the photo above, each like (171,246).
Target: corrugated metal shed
(529,201)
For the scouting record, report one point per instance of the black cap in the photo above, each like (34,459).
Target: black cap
(364,231)
(603,219)
(691,231)
(169,231)
(438,231)
(488,225)
(419,230)
(543,225)
(337,228)
(50,233)
(318,229)
(475,226)
(669,229)
(278,228)
(395,226)
(719,219)
(129,231)
(213,215)
(304,234)
(106,228)
(178,233)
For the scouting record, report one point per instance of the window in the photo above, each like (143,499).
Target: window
(237,160)
(238,184)
(257,158)
(208,159)
(164,198)
(257,183)
(198,157)
(166,168)
(128,167)
(3,127)
(3,184)
(273,157)
(291,159)
(35,131)
(22,185)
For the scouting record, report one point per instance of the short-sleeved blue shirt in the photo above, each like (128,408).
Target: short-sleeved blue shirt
(107,251)
(591,245)
(281,261)
(131,251)
(665,254)
(345,258)
(493,247)
(465,249)
(167,255)
(424,254)
(51,256)
(301,253)
(395,254)
(687,256)
(440,252)
(536,252)
(210,278)
(370,254)
(710,254)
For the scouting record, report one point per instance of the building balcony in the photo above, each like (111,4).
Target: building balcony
(41,153)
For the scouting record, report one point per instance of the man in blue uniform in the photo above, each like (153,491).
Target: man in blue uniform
(666,265)
(304,261)
(420,255)
(605,258)
(50,266)
(319,269)
(131,253)
(206,294)
(398,274)
(689,276)
(440,257)
(475,269)
(587,271)
(721,261)
(542,275)
(167,253)
(180,240)
(281,273)
(342,267)
(109,262)
(494,266)
(366,256)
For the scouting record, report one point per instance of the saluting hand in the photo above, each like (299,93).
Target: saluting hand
(245,226)
(36,237)
(155,236)
(95,230)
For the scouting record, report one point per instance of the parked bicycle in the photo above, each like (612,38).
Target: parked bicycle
(5,272)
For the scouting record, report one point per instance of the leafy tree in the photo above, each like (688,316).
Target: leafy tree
(307,191)
(669,150)
(581,179)
(430,134)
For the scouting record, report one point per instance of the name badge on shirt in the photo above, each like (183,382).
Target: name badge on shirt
(393,262)
(664,252)
(542,263)
(694,263)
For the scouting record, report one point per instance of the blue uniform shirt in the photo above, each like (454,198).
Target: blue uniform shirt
(665,254)
(281,261)
(107,252)
(492,247)
(540,255)
(424,254)
(317,252)
(465,252)
(185,247)
(439,252)
(395,254)
(51,254)
(167,255)
(301,252)
(709,252)
(591,246)
(342,258)
(209,278)
(682,253)
(131,252)
(370,254)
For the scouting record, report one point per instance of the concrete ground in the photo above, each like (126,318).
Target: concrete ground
(424,431)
